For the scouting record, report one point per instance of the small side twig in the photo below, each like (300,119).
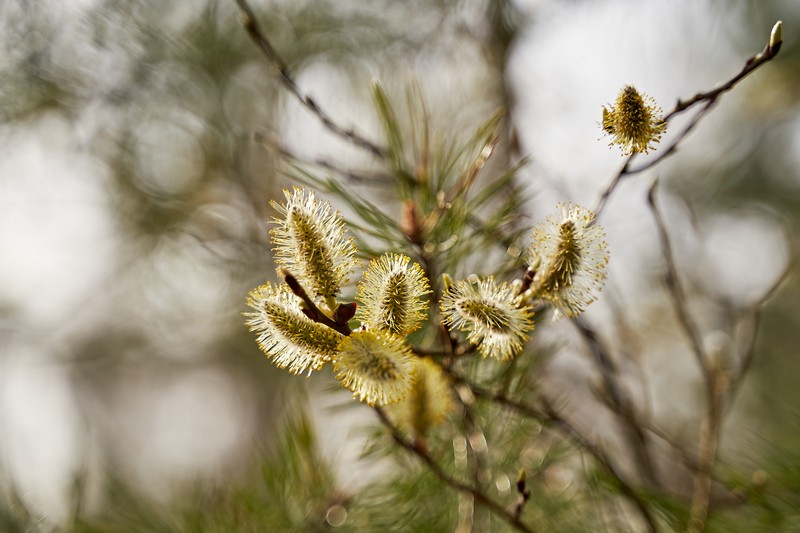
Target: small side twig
(479,496)
(311,310)
(250,23)
(771,49)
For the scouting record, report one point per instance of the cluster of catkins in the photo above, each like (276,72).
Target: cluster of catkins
(301,325)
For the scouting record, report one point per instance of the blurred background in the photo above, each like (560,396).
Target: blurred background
(134,193)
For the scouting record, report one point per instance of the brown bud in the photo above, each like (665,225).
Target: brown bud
(521,488)
(344,312)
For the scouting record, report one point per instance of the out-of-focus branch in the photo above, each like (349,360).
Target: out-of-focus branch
(721,385)
(707,452)
(557,421)
(310,309)
(715,380)
(709,98)
(547,415)
(675,289)
(620,402)
(449,480)
(476,466)
(524,494)
(250,23)
(754,313)
(624,486)
(270,141)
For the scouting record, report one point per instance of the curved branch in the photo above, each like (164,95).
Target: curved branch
(549,416)
(449,480)
(620,403)
(251,25)
(714,383)
(675,289)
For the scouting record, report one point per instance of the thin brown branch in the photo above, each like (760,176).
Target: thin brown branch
(690,462)
(629,346)
(707,453)
(479,496)
(620,403)
(425,352)
(675,289)
(673,147)
(603,460)
(269,140)
(458,351)
(754,313)
(686,457)
(768,53)
(715,381)
(612,185)
(710,98)
(720,387)
(310,309)
(256,33)
(549,416)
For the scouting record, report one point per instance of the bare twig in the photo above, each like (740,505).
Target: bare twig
(310,309)
(479,496)
(620,403)
(689,461)
(771,49)
(673,147)
(523,494)
(721,387)
(612,185)
(269,140)
(603,460)
(710,98)
(549,416)
(754,313)
(715,381)
(250,23)
(675,289)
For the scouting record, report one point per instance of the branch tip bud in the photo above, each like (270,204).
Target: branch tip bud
(776,37)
